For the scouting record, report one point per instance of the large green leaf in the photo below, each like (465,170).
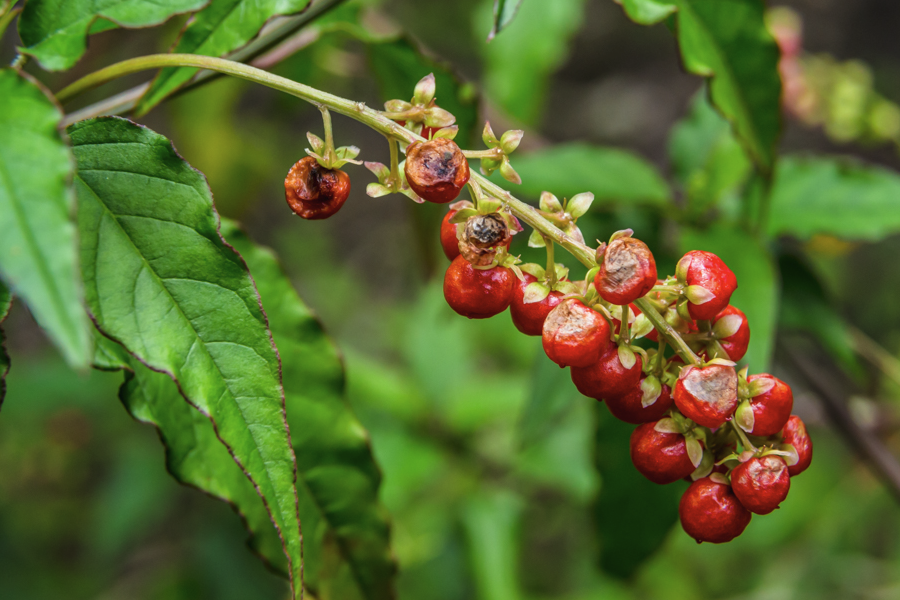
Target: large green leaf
(834,196)
(518,64)
(220,28)
(55,31)
(160,280)
(5,304)
(346,533)
(38,251)
(614,176)
(758,284)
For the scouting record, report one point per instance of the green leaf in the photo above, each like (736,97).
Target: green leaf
(614,176)
(220,28)
(161,281)
(834,196)
(551,394)
(346,532)
(5,304)
(647,12)
(55,31)
(491,522)
(632,515)
(504,12)
(518,64)
(38,260)
(758,284)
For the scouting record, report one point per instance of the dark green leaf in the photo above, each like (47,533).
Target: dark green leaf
(632,514)
(491,521)
(160,280)
(551,393)
(834,196)
(648,12)
(55,31)
(758,284)
(5,304)
(38,259)
(614,176)
(220,28)
(346,533)
(504,12)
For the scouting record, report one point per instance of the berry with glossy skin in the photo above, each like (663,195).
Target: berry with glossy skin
(449,242)
(608,376)
(314,192)
(628,271)
(735,345)
(710,272)
(761,484)
(710,512)
(629,408)
(707,395)
(794,433)
(477,293)
(659,456)
(574,335)
(771,409)
(529,318)
(436,170)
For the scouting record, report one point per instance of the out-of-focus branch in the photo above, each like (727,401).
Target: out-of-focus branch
(873,352)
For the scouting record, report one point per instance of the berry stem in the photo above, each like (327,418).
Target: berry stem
(495,153)
(623,324)
(666,330)
(394,177)
(551,262)
(743,436)
(329,154)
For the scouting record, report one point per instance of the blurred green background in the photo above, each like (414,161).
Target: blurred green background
(502,481)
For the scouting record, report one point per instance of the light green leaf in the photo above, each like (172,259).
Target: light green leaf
(160,280)
(38,260)
(491,522)
(220,28)
(834,196)
(518,64)
(613,176)
(346,532)
(648,12)
(758,284)
(504,12)
(55,31)
(5,304)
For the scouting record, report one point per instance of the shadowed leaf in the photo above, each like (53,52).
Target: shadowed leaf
(5,304)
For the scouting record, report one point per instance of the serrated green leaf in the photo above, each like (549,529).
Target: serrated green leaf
(160,280)
(346,532)
(38,260)
(614,176)
(55,31)
(5,304)
(504,12)
(834,196)
(222,27)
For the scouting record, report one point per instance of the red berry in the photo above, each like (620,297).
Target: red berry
(629,408)
(659,456)
(628,271)
(314,192)
(436,170)
(735,345)
(771,409)
(608,376)
(707,395)
(761,484)
(574,335)
(794,433)
(710,512)
(449,242)
(529,318)
(477,293)
(708,271)
(616,323)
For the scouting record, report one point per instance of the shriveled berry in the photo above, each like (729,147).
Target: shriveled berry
(477,293)
(735,345)
(482,235)
(761,484)
(707,395)
(710,512)
(709,272)
(660,456)
(449,242)
(608,376)
(629,407)
(574,335)
(628,271)
(794,433)
(653,336)
(314,192)
(771,409)
(529,318)
(436,170)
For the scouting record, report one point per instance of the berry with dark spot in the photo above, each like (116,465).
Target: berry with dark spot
(436,170)
(628,271)
(707,395)
(314,192)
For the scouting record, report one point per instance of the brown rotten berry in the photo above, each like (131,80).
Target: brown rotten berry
(761,484)
(529,318)
(477,293)
(707,395)
(710,512)
(794,433)
(608,376)
(628,271)
(660,456)
(436,170)
(482,235)
(575,335)
(314,192)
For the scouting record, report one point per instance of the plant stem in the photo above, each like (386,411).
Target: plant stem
(623,324)
(551,263)
(394,177)
(666,330)
(496,153)
(744,440)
